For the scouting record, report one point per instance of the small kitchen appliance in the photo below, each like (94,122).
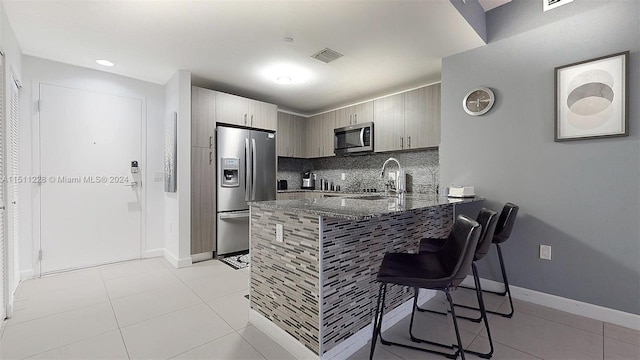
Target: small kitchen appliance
(308,180)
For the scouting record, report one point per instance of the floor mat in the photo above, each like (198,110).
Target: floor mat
(239,261)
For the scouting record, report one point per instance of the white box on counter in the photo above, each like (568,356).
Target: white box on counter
(461,191)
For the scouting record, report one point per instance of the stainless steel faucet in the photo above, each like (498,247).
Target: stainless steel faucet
(400,185)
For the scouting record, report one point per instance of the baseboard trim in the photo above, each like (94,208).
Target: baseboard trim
(346,348)
(596,312)
(153,253)
(201,257)
(26,274)
(175,261)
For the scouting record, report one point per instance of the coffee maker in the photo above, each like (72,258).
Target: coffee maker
(308,180)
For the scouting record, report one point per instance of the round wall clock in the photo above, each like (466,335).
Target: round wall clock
(478,101)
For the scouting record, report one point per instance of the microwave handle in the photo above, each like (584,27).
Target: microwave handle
(362,137)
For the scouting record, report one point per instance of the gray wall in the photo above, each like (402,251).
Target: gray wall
(580,197)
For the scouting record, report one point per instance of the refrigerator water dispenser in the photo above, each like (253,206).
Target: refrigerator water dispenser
(230,172)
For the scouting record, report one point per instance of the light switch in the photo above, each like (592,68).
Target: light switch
(279,233)
(158,176)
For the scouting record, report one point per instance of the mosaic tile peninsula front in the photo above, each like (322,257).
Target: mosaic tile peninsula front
(319,284)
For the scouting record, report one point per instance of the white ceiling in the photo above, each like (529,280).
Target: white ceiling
(233,45)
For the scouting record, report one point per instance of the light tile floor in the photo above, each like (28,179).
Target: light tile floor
(149,310)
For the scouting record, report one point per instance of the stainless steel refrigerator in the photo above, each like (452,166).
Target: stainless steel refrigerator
(246,171)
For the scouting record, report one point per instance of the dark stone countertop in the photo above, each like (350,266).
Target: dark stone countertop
(360,206)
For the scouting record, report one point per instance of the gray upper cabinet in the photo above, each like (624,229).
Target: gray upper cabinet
(409,120)
(355,114)
(291,135)
(203,117)
(263,115)
(232,109)
(422,117)
(236,110)
(388,128)
(320,135)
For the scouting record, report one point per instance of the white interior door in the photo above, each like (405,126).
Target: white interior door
(90,199)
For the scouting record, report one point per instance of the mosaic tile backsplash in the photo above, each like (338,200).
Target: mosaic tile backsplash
(363,172)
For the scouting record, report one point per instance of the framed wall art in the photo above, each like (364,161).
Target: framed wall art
(592,97)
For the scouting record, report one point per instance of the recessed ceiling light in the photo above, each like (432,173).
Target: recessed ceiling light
(105,62)
(283,80)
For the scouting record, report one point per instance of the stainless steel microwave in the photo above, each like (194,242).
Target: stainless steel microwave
(354,139)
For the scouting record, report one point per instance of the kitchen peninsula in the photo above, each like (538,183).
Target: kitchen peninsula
(316,281)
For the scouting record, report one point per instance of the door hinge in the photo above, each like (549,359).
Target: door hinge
(40,255)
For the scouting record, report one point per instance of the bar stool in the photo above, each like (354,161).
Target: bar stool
(503,230)
(443,271)
(488,220)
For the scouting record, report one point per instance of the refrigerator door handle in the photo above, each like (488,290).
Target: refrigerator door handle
(235,215)
(254,169)
(247,172)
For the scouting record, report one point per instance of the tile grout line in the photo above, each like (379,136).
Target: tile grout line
(124,343)
(80,340)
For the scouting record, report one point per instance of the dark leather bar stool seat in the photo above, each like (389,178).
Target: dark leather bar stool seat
(443,271)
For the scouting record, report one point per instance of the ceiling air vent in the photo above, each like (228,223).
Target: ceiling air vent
(326,55)
(552,4)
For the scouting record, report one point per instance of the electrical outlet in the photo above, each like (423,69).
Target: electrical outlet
(344,176)
(545,252)
(158,176)
(279,233)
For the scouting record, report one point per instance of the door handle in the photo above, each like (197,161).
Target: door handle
(210,157)
(236,215)
(210,142)
(134,183)
(401,142)
(247,169)
(254,169)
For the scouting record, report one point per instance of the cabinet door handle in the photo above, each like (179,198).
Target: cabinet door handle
(401,143)
(210,142)
(245,119)
(355,118)
(210,157)
(409,141)
(350,121)
(251,119)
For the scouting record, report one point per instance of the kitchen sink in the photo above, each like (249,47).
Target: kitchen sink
(371,197)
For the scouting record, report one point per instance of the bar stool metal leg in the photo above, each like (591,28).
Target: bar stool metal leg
(378,332)
(483,314)
(377,320)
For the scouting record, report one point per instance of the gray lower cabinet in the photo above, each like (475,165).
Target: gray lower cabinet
(203,200)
